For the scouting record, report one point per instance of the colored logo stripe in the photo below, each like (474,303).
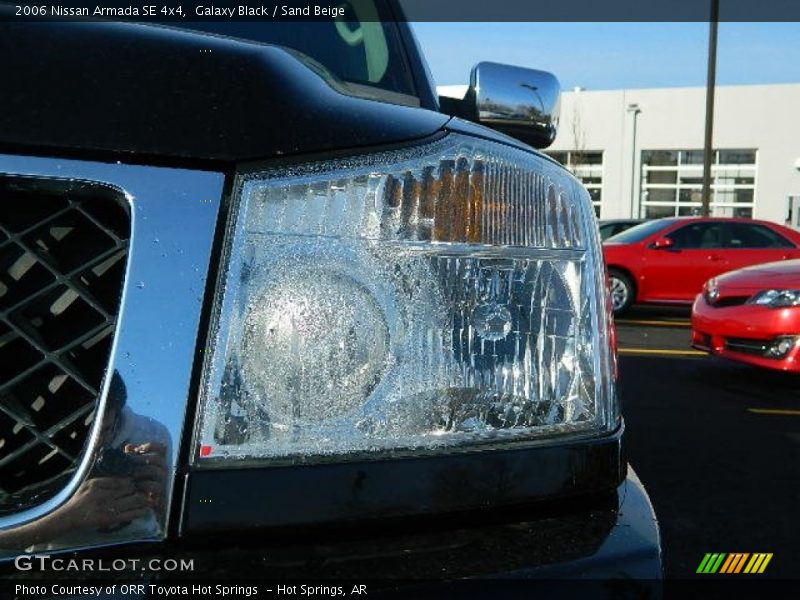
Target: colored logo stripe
(720,562)
(758,563)
(703,563)
(728,562)
(735,562)
(711,563)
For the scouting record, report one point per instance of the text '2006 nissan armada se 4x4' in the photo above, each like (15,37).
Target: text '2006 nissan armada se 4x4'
(266,303)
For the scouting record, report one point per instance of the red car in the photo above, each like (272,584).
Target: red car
(666,261)
(752,315)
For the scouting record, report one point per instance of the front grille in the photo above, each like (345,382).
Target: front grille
(63,252)
(747,346)
(729,301)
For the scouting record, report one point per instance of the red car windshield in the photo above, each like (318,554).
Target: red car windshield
(640,232)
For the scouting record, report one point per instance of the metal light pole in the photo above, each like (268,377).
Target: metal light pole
(535,90)
(634,110)
(710,84)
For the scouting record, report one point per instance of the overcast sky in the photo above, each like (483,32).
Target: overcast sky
(617,55)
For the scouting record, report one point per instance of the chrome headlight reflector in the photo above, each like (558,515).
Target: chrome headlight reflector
(424,300)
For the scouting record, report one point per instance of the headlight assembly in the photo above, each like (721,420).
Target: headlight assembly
(777,298)
(439,298)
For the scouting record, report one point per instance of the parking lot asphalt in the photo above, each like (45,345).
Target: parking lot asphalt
(717,445)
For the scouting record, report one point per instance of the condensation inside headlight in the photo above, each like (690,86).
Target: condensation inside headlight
(438,298)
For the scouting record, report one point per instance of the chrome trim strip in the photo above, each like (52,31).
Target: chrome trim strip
(173,219)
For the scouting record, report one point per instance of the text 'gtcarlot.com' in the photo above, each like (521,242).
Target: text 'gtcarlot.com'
(44,562)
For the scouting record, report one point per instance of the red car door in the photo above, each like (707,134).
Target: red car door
(753,243)
(677,273)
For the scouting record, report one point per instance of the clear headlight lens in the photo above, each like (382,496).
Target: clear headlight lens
(777,298)
(428,299)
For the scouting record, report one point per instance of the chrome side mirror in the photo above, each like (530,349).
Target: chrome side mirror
(522,103)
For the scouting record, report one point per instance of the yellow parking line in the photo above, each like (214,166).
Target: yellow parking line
(654,323)
(659,351)
(774,411)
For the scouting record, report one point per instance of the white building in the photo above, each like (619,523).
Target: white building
(639,152)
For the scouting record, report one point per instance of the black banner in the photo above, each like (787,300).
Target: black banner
(728,587)
(171,11)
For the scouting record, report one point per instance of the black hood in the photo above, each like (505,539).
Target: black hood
(127,88)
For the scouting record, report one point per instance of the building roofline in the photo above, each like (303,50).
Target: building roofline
(683,88)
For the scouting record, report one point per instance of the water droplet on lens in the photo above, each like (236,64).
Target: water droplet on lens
(491,321)
(367,426)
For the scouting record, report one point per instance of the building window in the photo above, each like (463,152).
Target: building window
(672,183)
(588,167)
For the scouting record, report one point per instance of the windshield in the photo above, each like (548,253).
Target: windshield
(640,232)
(362,47)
